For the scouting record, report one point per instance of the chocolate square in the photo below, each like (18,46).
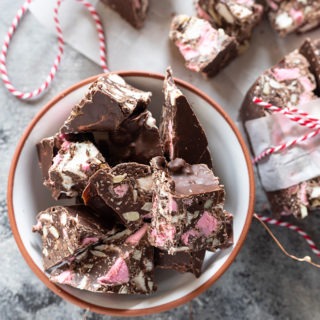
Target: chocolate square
(126,188)
(187,212)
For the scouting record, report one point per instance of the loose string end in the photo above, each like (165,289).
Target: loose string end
(306,259)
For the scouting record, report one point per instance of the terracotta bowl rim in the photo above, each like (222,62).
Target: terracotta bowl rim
(127,312)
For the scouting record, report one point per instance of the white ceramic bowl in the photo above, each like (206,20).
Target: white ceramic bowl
(27,196)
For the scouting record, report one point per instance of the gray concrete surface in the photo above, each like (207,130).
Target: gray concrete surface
(261,284)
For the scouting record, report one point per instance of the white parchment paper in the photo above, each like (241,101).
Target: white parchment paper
(289,167)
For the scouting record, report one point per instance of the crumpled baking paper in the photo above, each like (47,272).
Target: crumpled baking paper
(291,166)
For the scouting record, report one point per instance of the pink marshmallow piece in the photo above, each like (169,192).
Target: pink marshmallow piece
(85,166)
(89,240)
(306,83)
(207,224)
(135,238)
(167,233)
(136,4)
(65,145)
(118,273)
(64,278)
(302,193)
(186,235)
(305,98)
(173,206)
(121,190)
(282,74)
(202,14)
(272,5)
(297,16)
(56,160)
(62,137)
(187,51)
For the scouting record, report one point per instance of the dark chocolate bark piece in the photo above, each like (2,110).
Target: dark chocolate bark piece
(71,168)
(133,11)
(187,212)
(311,50)
(182,261)
(289,83)
(126,188)
(180,131)
(293,15)
(136,140)
(67,231)
(108,102)
(123,264)
(237,18)
(204,48)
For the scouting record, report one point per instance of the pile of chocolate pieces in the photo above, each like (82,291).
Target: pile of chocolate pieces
(146,197)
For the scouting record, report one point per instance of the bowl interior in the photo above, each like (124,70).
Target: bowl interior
(29,196)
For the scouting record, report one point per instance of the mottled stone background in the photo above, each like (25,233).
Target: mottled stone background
(261,284)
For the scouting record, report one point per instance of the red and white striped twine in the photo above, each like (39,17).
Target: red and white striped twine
(285,145)
(294,114)
(4,51)
(304,119)
(295,228)
(100,32)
